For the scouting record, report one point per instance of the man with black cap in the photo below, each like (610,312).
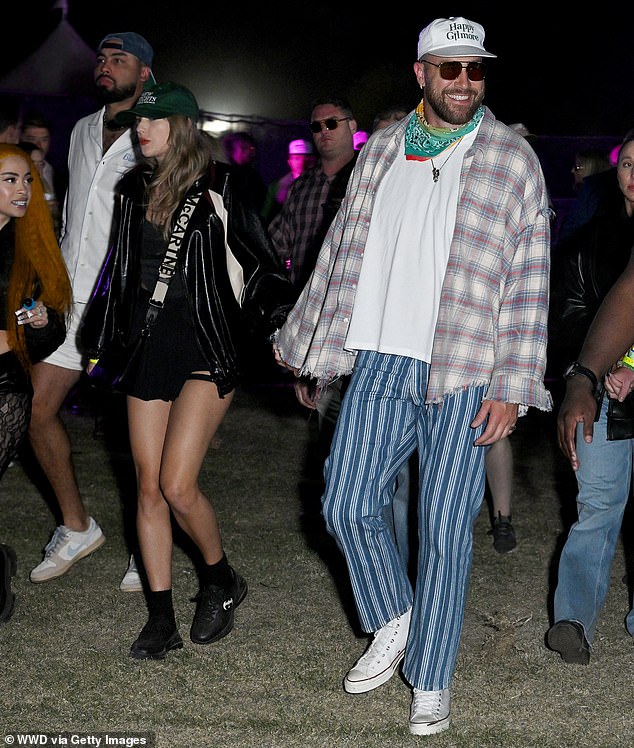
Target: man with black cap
(101,151)
(431,289)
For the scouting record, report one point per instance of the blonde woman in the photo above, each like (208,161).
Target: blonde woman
(184,379)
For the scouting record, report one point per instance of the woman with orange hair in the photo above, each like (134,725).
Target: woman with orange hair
(35,297)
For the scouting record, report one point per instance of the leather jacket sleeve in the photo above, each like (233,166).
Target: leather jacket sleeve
(576,300)
(109,308)
(586,268)
(268,294)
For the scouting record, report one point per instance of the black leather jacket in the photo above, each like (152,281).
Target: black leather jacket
(220,324)
(584,269)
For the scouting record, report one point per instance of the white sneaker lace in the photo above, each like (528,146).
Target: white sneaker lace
(427,702)
(382,644)
(59,538)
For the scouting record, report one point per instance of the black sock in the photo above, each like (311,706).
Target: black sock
(160,604)
(218,574)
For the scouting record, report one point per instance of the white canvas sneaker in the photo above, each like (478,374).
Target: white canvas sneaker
(430,712)
(381,659)
(65,548)
(131,581)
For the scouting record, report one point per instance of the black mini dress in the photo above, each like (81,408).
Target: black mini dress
(170,353)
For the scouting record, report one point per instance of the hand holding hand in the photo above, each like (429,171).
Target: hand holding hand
(305,393)
(278,360)
(501,419)
(619,383)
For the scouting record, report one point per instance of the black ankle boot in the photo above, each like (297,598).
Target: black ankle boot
(158,637)
(503,534)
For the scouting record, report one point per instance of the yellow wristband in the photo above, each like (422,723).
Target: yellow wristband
(93,360)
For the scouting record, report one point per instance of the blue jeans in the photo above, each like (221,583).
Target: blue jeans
(604,477)
(383,419)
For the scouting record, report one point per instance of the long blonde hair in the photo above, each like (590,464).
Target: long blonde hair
(185,162)
(37,261)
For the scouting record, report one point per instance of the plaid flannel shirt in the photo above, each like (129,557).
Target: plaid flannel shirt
(492,319)
(293,229)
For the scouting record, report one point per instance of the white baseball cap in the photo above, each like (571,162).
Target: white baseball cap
(452,37)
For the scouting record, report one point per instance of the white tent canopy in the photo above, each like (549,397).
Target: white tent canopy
(62,66)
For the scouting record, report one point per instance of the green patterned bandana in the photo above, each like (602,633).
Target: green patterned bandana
(423,141)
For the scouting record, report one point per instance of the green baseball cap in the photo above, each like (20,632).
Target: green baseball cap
(159,101)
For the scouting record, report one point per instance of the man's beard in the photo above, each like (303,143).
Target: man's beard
(444,110)
(110,95)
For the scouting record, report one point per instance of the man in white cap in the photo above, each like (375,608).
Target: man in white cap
(100,152)
(300,158)
(431,288)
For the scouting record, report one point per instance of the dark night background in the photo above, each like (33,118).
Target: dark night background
(568,76)
(564,74)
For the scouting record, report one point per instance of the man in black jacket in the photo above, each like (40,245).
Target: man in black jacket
(314,197)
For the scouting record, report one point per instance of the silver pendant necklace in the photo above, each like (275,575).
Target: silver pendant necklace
(435,171)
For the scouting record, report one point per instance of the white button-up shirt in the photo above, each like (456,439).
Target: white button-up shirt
(89,201)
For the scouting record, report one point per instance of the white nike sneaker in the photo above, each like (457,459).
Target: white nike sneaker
(65,548)
(381,659)
(131,581)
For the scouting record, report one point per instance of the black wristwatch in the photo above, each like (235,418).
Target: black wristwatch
(576,368)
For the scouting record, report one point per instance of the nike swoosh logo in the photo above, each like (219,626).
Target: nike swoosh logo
(72,550)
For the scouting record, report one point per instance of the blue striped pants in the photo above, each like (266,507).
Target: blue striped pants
(383,420)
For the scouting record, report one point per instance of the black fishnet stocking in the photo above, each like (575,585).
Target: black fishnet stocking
(15,413)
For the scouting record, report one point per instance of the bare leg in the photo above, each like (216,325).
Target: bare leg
(147,423)
(51,443)
(499,469)
(194,420)
(169,442)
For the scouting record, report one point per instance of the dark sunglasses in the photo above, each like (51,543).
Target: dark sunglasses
(449,71)
(330,123)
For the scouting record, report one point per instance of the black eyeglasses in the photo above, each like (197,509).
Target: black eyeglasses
(331,123)
(449,71)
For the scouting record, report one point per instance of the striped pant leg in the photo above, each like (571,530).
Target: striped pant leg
(452,479)
(374,436)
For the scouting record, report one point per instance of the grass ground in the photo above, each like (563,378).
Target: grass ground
(275,681)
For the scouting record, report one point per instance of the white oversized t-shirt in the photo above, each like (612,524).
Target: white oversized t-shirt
(405,258)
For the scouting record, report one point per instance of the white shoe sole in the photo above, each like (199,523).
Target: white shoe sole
(369,684)
(134,585)
(429,728)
